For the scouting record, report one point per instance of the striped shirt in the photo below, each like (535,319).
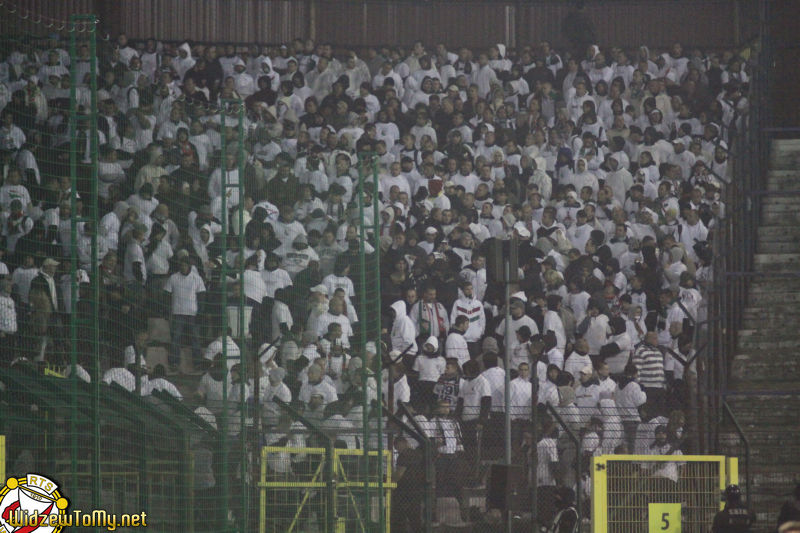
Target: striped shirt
(650,362)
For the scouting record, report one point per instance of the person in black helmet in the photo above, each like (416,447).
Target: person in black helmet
(735,517)
(790,511)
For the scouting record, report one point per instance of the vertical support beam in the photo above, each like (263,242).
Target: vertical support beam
(240,305)
(73,172)
(599,495)
(312,19)
(362,330)
(223,167)
(91,21)
(507,378)
(376,275)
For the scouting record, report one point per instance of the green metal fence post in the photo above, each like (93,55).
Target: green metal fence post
(373,158)
(224,288)
(241,335)
(73,171)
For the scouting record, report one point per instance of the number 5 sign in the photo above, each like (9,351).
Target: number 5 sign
(665,518)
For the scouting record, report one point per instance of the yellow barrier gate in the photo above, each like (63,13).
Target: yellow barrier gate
(658,493)
(294,490)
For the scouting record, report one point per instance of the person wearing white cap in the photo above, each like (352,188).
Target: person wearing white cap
(587,393)
(429,366)
(429,244)
(521,231)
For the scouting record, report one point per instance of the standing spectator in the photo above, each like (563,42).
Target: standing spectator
(790,512)
(456,346)
(518,319)
(8,322)
(402,332)
(474,403)
(629,398)
(185,286)
(429,316)
(429,366)
(472,309)
(649,361)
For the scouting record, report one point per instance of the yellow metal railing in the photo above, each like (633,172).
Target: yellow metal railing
(639,493)
(297,484)
(3,458)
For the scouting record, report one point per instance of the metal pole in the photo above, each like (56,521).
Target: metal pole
(377,322)
(73,171)
(507,377)
(362,332)
(95,334)
(727,410)
(241,335)
(223,168)
(534,461)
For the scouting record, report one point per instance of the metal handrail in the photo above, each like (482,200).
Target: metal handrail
(726,409)
(578,460)
(430,469)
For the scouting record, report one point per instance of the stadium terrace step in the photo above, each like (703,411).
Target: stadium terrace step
(787,343)
(778,233)
(788,175)
(762,296)
(768,347)
(769,285)
(787,218)
(766,247)
(777,261)
(158,328)
(747,368)
(755,317)
(784,154)
(768,331)
(778,200)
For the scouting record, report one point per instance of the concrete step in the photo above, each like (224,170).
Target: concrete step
(754,408)
(785,155)
(784,144)
(778,247)
(765,328)
(752,368)
(778,233)
(753,344)
(781,261)
(766,297)
(780,313)
(783,175)
(780,200)
(781,218)
(774,284)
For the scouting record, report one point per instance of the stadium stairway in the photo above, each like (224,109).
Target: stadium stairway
(768,346)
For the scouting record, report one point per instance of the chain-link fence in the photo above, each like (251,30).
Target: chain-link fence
(125,341)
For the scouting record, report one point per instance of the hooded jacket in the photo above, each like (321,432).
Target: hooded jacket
(403,333)
(182,64)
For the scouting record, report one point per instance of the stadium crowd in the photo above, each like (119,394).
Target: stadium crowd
(606,168)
